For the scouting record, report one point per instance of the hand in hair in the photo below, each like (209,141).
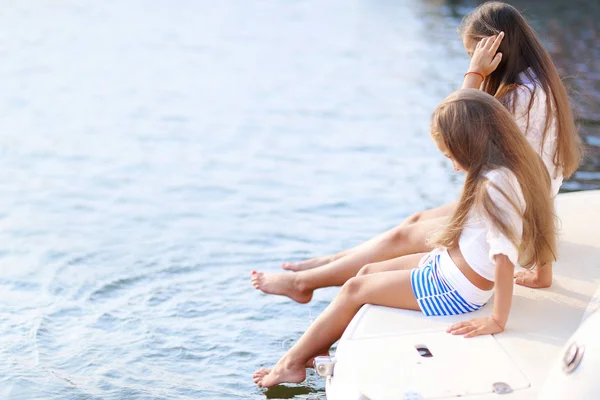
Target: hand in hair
(485,60)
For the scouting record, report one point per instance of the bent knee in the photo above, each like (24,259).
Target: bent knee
(366,270)
(414,218)
(399,235)
(352,287)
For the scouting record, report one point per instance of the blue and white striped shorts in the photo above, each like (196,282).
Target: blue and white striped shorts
(433,292)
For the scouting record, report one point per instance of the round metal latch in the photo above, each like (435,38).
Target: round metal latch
(573,357)
(324,366)
(322,369)
(502,388)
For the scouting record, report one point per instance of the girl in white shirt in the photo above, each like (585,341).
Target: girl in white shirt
(510,63)
(505,214)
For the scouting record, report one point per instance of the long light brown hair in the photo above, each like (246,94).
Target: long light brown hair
(481,135)
(522,52)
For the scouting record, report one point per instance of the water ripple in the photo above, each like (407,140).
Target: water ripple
(186,145)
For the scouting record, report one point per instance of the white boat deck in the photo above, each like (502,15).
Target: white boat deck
(377,356)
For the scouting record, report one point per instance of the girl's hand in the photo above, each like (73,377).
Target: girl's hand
(485,60)
(476,327)
(532,279)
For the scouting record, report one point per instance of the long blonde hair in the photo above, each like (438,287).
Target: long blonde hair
(522,52)
(481,135)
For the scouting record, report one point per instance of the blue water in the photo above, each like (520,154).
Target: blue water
(153,153)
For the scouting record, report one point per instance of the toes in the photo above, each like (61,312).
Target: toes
(259,376)
(261,372)
(256,279)
(255,274)
(288,266)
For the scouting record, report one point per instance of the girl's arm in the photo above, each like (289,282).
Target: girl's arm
(502,302)
(484,61)
(504,289)
(472,81)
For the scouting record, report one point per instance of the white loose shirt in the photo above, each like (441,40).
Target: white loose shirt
(481,240)
(532,123)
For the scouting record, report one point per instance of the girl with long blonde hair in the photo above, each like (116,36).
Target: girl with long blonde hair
(504,216)
(508,62)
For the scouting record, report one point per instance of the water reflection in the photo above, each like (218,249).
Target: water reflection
(155,153)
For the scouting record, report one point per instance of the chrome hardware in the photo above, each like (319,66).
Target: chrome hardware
(423,351)
(572,358)
(324,366)
(502,388)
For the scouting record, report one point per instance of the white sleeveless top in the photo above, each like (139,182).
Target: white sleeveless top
(480,239)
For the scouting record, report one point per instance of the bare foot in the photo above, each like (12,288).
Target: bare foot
(529,278)
(307,264)
(281,373)
(280,284)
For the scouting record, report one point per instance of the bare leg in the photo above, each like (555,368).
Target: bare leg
(407,239)
(411,260)
(392,289)
(313,262)
(407,262)
(438,212)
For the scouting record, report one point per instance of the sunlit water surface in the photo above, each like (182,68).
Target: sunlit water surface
(153,153)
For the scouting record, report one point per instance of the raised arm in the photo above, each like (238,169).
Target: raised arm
(502,302)
(484,61)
